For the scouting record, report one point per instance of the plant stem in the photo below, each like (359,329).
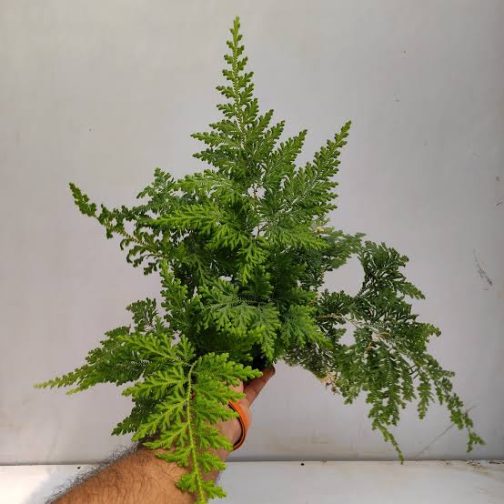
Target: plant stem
(199,487)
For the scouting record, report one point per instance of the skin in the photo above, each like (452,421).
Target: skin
(142,477)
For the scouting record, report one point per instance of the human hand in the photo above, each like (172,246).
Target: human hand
(232,428)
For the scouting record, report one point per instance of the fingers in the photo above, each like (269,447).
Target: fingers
(238,388)
(254,387)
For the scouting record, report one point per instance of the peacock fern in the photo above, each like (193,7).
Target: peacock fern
(242,249)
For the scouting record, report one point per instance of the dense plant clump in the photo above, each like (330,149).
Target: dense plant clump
(242,248)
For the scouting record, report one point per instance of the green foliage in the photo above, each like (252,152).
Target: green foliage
(242,249)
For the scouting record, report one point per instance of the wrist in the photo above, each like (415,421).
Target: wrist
(230,429)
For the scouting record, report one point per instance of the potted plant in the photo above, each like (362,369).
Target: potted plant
(242,248)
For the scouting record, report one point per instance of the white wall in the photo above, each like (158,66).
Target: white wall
(101,92)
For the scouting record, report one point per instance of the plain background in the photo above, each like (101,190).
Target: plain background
(99,92)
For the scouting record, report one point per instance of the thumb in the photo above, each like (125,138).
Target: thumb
(253,388)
